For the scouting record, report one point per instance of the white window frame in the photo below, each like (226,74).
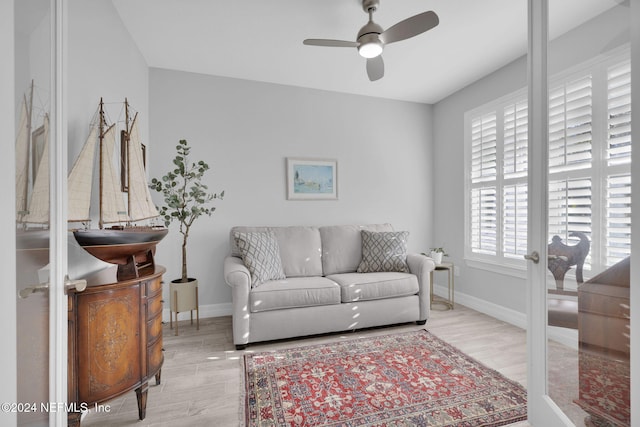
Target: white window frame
(598,172)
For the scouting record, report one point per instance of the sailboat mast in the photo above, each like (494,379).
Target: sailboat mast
(101,133)
(126,141)
(30,152)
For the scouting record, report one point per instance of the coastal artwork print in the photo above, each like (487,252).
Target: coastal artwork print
(311,179)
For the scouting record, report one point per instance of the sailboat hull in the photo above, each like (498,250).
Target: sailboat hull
(117,246)
(32,250)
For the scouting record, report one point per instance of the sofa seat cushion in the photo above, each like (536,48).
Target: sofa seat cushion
(371,286)
(294,292)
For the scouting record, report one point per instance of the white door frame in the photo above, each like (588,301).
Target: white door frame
(8,391)
(542,411)
(58,317)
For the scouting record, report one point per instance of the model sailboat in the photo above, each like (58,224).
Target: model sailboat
(32,182)
(118,240)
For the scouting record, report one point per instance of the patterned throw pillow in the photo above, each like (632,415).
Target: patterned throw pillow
(384,251)
(261,255)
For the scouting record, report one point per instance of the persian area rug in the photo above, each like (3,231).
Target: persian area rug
(405,379)
(605,388)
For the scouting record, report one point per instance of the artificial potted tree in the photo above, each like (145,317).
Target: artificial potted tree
(186,199)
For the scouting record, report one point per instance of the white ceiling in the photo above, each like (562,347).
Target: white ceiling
(262,40)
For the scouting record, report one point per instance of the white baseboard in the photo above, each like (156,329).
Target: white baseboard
(568,337)
(209,310)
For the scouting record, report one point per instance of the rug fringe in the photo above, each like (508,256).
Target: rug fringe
(242,393)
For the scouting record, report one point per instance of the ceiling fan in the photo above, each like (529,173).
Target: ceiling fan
(372,38)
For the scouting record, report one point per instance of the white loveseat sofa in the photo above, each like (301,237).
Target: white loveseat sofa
(321,289)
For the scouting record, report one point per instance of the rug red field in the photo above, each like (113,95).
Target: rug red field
(405,379)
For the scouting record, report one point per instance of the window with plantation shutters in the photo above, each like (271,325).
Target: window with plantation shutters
(498,179)
(589,168)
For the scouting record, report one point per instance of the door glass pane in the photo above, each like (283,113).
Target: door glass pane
(32,80)
(589,211)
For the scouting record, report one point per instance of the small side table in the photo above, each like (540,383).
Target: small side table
(184,297)
(448,266)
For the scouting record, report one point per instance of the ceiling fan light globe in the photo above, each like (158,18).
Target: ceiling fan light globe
(370,50)
(370,45)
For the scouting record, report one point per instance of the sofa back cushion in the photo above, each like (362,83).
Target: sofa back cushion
(300,248)
(342,246)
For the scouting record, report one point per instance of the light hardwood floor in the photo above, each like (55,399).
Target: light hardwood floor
(201,374)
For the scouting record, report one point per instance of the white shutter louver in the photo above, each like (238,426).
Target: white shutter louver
(570,129)
(484,220)
(515,140)
(483,148)
(570,209)
(514,234)
(619,114)
(618,227)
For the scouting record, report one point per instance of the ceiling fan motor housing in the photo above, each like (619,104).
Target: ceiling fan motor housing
(369,43)
(369,32)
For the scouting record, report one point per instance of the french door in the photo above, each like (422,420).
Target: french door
(581,124)
(40,215)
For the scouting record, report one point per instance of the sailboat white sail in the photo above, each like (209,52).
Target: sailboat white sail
(112,208)
(79,180)
(22,162)
(141,205)
(38,210)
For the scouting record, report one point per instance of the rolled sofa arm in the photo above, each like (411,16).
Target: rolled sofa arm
(422,266)
(235,272)
(238,277)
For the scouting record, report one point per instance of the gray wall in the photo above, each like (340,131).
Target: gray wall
(103,61)
(448,136)
(245,130)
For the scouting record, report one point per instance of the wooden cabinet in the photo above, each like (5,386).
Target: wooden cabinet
(604,357)
(115,339)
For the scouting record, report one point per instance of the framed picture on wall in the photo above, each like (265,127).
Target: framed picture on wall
(312,179)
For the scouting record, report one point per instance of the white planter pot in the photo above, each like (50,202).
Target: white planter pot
(437,257)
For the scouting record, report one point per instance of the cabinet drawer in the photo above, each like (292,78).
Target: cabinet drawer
(155,306)
(154,328)
(155,357)
(154,286)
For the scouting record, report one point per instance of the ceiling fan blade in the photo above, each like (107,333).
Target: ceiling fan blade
(410,27)
(329,43)
(375,68)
